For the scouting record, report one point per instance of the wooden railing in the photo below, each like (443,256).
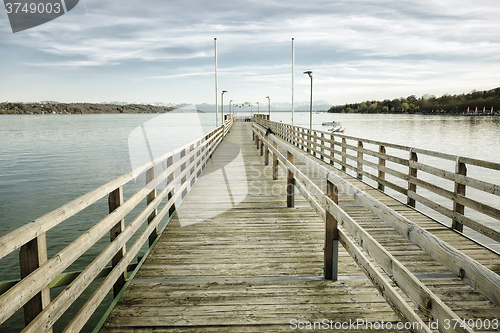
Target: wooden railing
(340,227)
(406,170)
(181,167)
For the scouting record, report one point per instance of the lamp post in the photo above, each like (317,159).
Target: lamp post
(269,107)
(230,106)
(311,102)
(222,105)
(216,85)
(258,108)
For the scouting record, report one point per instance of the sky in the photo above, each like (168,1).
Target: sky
(163,51)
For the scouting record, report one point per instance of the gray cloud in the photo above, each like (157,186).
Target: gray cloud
(359,43)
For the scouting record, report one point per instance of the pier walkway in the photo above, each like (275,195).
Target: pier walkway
(267,227)
(235,258)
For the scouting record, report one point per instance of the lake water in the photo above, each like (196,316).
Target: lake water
(47,161)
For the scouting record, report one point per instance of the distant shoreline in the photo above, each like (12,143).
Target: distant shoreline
(83,108)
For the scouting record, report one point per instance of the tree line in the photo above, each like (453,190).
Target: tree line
(447,104)
(78,108)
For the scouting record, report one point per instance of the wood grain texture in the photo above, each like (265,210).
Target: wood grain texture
(249,266)
(254,265)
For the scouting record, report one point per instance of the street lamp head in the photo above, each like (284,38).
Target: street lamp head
(308,73)
(224,91)
(268,98)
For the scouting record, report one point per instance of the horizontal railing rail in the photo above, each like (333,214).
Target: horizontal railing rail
(181,167)
(398,168)
(340,227)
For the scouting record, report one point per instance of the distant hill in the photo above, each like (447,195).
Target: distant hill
(78,108)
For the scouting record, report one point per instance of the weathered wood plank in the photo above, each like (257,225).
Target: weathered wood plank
(252,238)
(216,254)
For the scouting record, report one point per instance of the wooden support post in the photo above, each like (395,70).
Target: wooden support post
(183,179)
(199,151)
(115,200)
(262,144)
(460,169)
(170,179)
(331,257)
(360,160)
(301,131)
(290,183)
(209,140)
(31,256)
(344,153)
(322,156)
(412,173)
(381,174)
(313,143)
(308,140)
(150,175)
(332,149)
(192,165)
(275,162)
(266,153)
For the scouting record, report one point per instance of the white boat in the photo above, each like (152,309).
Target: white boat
(337,130)
(329,123)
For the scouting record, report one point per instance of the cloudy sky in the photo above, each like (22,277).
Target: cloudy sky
(163,51)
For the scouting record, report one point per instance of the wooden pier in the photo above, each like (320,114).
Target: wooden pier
(272,236)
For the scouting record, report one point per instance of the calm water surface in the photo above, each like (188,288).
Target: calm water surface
(47,161)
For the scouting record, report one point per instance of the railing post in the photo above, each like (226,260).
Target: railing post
(191,164)
(150,175)
(322,147)
(266,153)
(312,142)
(199,151)
(170,179)
(31,256)
(412,173)
(290,183)
(302,141)
(460,169)
(295,135)
(183,167)
(331,236)
(344,153)
(262,144)
(360,161)
(309,140)
(115,200)
(381,163)
(332,149)
(275,162)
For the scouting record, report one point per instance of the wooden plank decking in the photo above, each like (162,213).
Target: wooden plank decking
(235,259)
